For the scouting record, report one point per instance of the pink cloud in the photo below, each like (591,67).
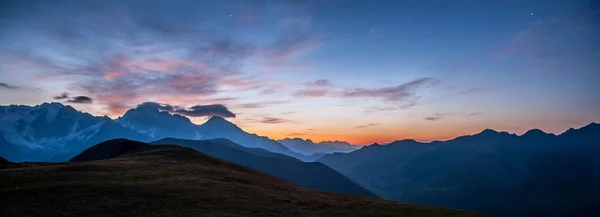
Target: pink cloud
(276,67)
(120,67)
(311,93)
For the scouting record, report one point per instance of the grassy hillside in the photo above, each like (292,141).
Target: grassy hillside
(175,181)
(313,175)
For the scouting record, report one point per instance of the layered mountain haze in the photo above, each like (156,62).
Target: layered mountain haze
(535,174)
(308,147)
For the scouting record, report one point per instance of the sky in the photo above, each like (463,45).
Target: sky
(359,71)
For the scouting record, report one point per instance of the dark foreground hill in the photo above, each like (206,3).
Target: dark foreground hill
(311,175)
(165,180)
(7,164)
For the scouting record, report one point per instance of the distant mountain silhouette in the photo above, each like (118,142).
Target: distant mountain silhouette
(54,132)
(308,147)
(311,175)
(136,179)
(536,174)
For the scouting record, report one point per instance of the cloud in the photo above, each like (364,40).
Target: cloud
(367,125)
(8,86)
(406,105)
(435,117)
(206,110)
(194,111)
(76,99)
(157,106)
(297,134)
(291,46)
(80,99)
(273,120)
(61,96)
(311,93)
(439,116)
(261,104)
(137,51)
(284,67)
(319,83)
(318,88)
(14,87)
(403,96)
(400,92)
(476,90)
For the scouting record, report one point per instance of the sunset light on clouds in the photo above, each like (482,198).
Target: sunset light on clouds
(323,70)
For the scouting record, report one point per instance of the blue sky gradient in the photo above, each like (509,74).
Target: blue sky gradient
(361,71)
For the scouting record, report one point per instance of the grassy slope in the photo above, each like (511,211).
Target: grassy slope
(176,181)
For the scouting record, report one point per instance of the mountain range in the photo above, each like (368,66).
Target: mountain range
(312,175)
(308,147)
(55,132)
(127,178)
(498,173)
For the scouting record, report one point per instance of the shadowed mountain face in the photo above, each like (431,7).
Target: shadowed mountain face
(308,147)
(54,132)
(536,174)
(137,179)
(311,175)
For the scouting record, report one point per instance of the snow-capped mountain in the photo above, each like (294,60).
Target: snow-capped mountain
(52,131)
(158,124)
(55,132)
(161,124)
(308,147)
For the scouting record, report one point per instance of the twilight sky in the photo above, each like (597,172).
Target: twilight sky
(360,71)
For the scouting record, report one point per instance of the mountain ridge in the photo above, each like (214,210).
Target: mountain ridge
(311,175)
(308,147)
(503,174)
(162,124)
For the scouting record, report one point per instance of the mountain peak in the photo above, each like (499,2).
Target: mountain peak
(218,122)
(151,111)
(217,119)
(57,104)
(53,106)
(593,124)
(535,132)
(488,131)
